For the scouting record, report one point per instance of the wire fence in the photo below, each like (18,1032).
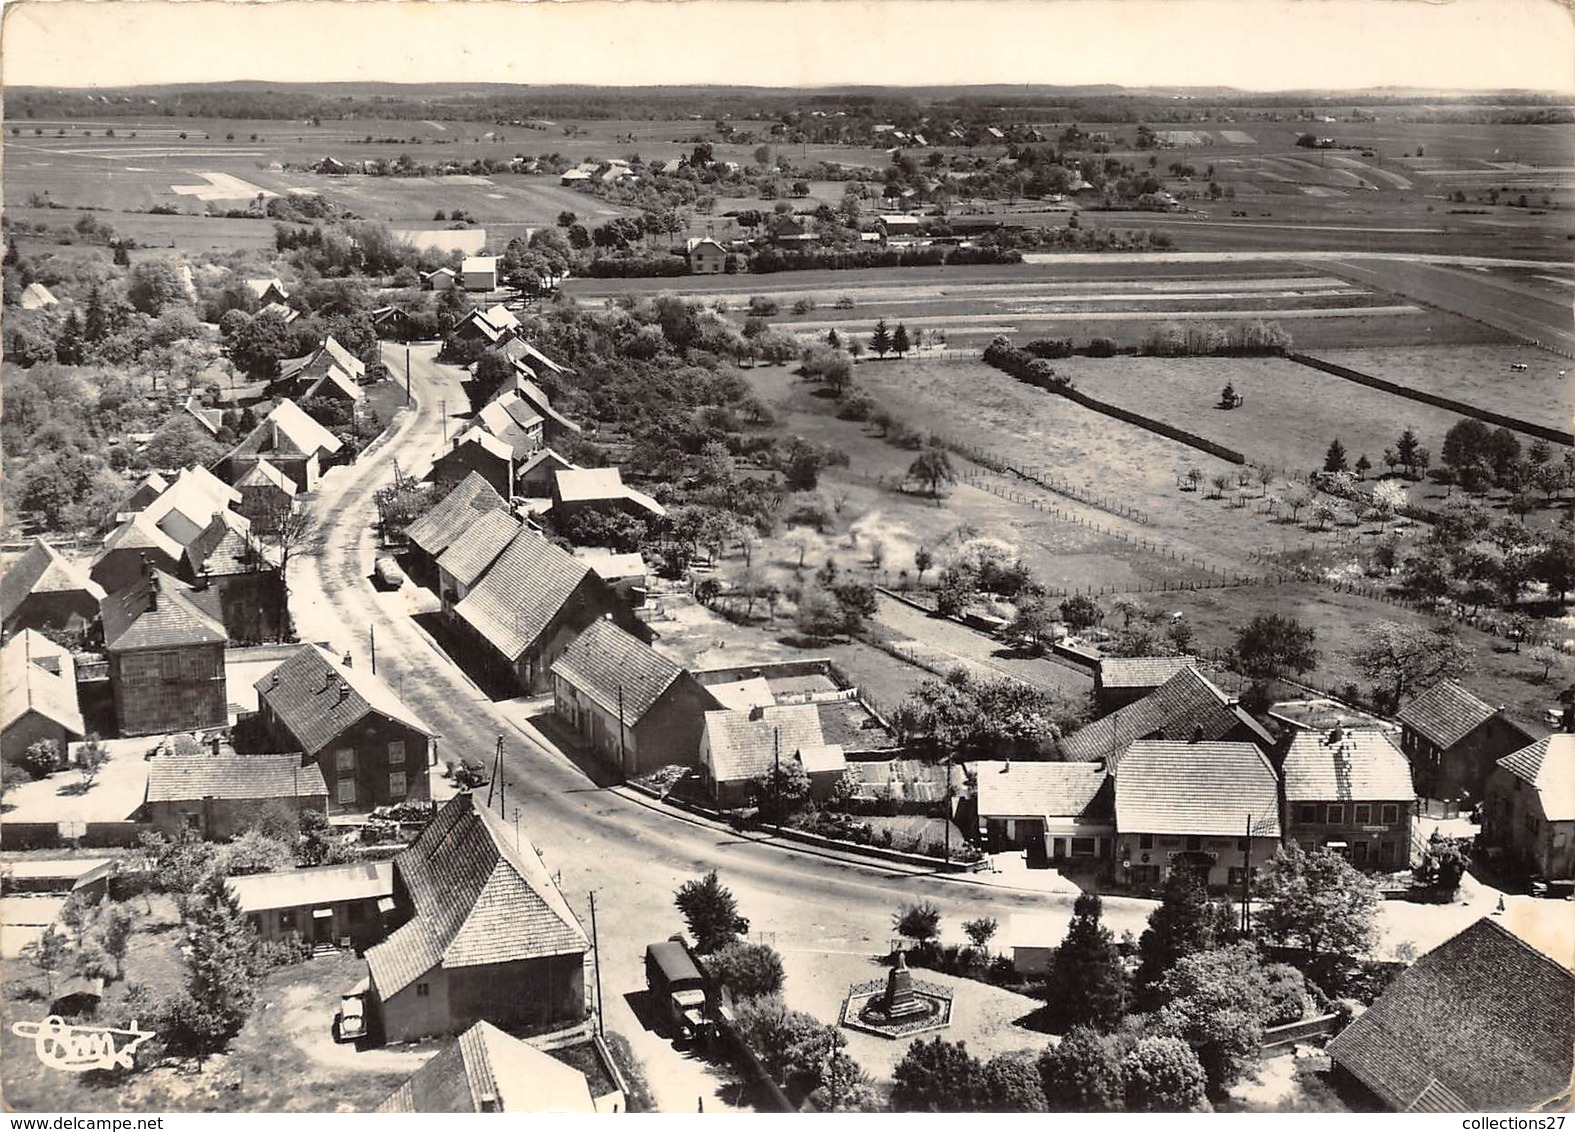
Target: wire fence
(1042,477)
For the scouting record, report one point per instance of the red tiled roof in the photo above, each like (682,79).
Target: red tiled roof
(1196,789)
(604,661)
(318,699)
(1180,708)
(1482,1023)
(442,524)
(1446,713)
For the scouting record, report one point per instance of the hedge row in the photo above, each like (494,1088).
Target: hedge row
(665,267)
(769,260)
(1036,371)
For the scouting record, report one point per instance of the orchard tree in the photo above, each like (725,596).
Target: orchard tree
(923,559)
(933,467)
(48,954)
(1272,645)
(1363,466)
(1402,658)
(711,912)
(1081,612)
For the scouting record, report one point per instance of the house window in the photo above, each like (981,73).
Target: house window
(344,760)
(1386,852)
(347,791)
(1145,841)
(396,753)
(1359,853)
(396,785)
(1389,813)
(1307,814)
(1362,813)
(286,921)
(423,990)
(1082,846)
(1336,816)
(1194,844)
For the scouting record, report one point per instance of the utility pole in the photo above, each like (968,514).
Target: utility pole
(371,632)
(1246,879)
(620,730)
(776,776)
(497,763)
(407,375)
(596,968)
(503,796)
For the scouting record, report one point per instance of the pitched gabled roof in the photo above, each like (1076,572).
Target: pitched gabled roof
(541,455)
(41,569)
(340,380)
(264,474)
(617,670)
(1548,767)
(1199,789)
(352,365)
(476,901)
(232,777)
(1141,671)
(521,593)
(478,546)
(744,747)
(225,546)
(159,611)
(1048,790)
(318,699)
(1358,766)
(1179,708)
(26,684)
(35,296)
(511,420)
(1446,713)
(259,287)
(289,430)
(470,498)
(598,485)
(189,504)
(486,1070)
(485,441)
(536,398)
(500,315)
(139,533)
(289,314)
(1482,1023)
(479,263)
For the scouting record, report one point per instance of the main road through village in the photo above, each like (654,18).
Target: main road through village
(632,855)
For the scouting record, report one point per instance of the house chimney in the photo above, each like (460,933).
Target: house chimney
(757,712)
(344,691)
(153,588)
(273,682)
(217,744)
(328,680)
(1197,734)
(348,661)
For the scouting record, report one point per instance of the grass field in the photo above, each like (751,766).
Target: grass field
(1477,375)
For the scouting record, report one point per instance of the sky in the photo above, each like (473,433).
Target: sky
(1250,44)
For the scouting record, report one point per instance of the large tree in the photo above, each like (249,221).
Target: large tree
(1184,924)
(221,972)
(749,970)
(1217,1002)
(1010,1083)
(1163,1075)
(1317,902)
(712,913)
(880,341)
(938,1076)
(1403,658)
(1273,645)
(1086,985)
(933,467)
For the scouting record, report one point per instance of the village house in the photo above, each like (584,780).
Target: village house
(740,747)
(210,420)
(38,695)
(1484,1022)
(443,279)
(326,906)
(1529,812)
(432,532)
(492,325)
(1191,806)
(189,503)
(625,573)
(578,490)
(555,424)
(536,476)
(267,496)
(291,441)
(393,322)
(479,273)
(793,232)
(513,422)
(475,450)
(899,227)
(129,550)
(471,554)
(35,296)
(267,290)
(632,706)
(43,590)
(1454,739)
(329,371)
(278,310)
(165,641)
(1121,680)
(1054,811)
(522,613)
(1350,791)
(484,935)
(371,748)
(245,574)
(219,795)
(148,488)
(485,1070)
(706,256)
(1187,706)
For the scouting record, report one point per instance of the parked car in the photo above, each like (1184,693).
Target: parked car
(350,1018)
(389,575)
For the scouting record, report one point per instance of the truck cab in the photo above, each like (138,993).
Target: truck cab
(679,990)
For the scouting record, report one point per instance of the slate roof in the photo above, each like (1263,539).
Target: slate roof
(604,659)
(1548,767)
(190,778)
(27,685)
(41,569)
(476,901)
(1141,671)
(1042,789)
(1203,789)
(324,884)
(304,692)
(1482,1023)
(470,498)
(744,748)
(160,611)
(486,1070)
(518,597)
(1177,709)
(478,546)
(1362,766)
(264,474)
(1446,713)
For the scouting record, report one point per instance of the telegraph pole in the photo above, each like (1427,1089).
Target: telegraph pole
(596,968)
(371,632)
(497,765)
(620,730)
(1246,880)
(407,375)
(776,777)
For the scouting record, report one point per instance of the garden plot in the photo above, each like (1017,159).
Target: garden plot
(223,186)
(1235,137)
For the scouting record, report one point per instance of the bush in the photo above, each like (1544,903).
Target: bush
(41,759)
(1163,1075)
(275,953)
(749,970)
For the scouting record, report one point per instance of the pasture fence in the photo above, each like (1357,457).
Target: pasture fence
(1042,477)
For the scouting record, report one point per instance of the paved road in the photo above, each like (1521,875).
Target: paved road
(631,855)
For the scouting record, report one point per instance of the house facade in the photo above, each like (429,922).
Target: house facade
(165,642)
(1454,739)
(371,749)
(479,273)
(38,695)
(1350,791)
(740,747)
(290,440)
(1529,812)
(42,590)
(267,496)
(328,904)
(475,450)
(1052,811)
(707,257)
(470,555)
(220,795)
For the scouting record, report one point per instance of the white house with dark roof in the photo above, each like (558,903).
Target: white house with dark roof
(739,747)
(1350,791)
(1211,807)
(372,750)
(38,695)
(290,440)
(1529,811)
(1454,739)
(484,935)
(1052,810)
(631,705)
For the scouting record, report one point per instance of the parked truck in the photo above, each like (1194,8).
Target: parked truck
(679,990)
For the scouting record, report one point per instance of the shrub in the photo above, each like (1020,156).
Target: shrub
(41,759)
(1163,1075)
(749,970)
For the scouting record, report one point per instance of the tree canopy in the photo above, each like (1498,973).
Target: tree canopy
(712,913)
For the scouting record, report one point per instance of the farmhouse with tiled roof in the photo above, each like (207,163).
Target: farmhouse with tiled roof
(468,556)
(1529,811)
(631,705)
(511,420)
(475,450)
(267,495)
(1350,791)
(371,748)
(1052,810)
(43,590)
(486,1070)
(1120,680)
(1190,805)
(1482,1023)
(432,532)
(486,935)
(130,549)
(38,695)
(165,642)
(1186,706)
(1454,739)
(221,795)
(244,572)
(739,747)
(288,439)
(577,490)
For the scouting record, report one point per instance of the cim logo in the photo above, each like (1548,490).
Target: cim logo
(77,1049)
